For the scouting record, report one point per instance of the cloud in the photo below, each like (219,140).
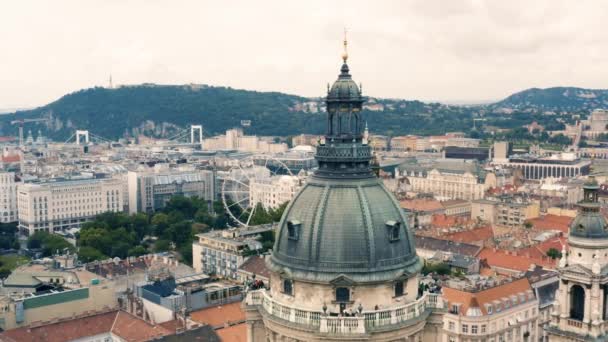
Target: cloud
(429,50)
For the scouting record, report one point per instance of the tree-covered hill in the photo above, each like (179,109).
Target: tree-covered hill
(160,110)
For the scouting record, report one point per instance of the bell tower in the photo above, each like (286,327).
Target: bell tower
(581,307)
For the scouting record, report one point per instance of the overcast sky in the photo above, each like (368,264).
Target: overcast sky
(448,50)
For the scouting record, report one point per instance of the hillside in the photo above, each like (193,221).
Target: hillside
(557,99)
(160,110)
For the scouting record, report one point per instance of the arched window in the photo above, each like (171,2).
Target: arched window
(577,302)
(342,294)
(288,287)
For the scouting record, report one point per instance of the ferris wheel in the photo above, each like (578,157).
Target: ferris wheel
(238,183)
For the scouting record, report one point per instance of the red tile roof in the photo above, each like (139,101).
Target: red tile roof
(220,315)
(62,331)
(476,235)
(512,260)
(133,329)
(479,299)
(552,222)
(256,265)
(540,250)
(420,204)
(10,158)
(235,333)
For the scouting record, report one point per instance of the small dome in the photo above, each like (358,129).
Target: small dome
(344,87)
(590,225)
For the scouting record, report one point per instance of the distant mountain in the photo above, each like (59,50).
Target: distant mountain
(558,99)
(162,110)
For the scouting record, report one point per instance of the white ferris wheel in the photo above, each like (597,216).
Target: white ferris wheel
(237,185)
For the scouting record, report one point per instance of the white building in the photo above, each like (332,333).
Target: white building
(8,197)
(60,204)
(274,191)
(150,190)
(234,139)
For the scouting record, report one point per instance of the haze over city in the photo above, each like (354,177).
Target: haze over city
(452,51)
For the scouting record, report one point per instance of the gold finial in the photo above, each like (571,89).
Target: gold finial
(345,54)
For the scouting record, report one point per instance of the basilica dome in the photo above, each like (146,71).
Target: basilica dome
(344,222)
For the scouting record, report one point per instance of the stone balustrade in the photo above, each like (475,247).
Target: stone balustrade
(362,323)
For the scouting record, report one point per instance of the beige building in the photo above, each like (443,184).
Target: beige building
(271,192)
(506,211)
(66,294)
(234,139)
(454,183)
(221,253)
(61,204)
(491,312)
(8,197)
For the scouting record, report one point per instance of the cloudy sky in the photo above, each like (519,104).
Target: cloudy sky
(453,51)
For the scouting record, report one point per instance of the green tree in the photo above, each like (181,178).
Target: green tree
(554,253)
(137,251)
(88,254)
(162,245)
(161,223)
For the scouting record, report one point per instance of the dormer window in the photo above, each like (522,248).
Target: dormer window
(293,229)
(399,289)
(342,295)
(393,228)
(489,309)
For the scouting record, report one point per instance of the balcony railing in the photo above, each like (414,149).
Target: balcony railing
(364,322)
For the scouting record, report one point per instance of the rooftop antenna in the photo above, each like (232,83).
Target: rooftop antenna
(111,86)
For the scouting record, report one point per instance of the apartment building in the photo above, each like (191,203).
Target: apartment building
(150,190)
(61,204)
(492,312)
(223,252)
(8,197)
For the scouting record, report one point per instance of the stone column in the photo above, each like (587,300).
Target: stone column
(250,331)
(587,315)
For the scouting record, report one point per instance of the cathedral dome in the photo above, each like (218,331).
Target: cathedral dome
(344,222)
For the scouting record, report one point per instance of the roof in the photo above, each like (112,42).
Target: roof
(343,231)
(473,235)
(62,331)
(512,260)
(128,327)
(10,158)
(203,333)
(219,316)
(455,203)
(235,333)
(552,222)
(21,279)
(421,204)
(133,329)
(430,243)
(478,299)
(256,265)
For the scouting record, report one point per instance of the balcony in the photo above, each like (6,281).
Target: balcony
(363,323)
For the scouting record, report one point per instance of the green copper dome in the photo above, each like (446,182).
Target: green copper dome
(344,222)
(589,223)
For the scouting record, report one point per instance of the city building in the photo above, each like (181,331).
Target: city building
(272,192)
(150,190)
(39,295)
(580,312)
(8,197)
(448,178)
(457,152)
(221,253)
(306,139)
(62,204)
(235,139)
(343,267)
(491,311)
(544,284)
(557,165)
(505,210)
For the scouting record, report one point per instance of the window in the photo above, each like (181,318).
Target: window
(399,289)
(293,229)
(452,339)
(288,287)
(452,326)
(465,328)
(489,309)
(483,328)
(455,309)
(393,228)
(473,329)
(342,294)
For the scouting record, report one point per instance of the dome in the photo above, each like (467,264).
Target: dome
(589,223)
(344,87)
(347,227)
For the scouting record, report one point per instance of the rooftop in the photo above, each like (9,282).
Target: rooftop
(219,316)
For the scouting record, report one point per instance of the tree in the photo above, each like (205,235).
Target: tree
(137,251)
(50,243)
(160,222)
(88,254)
(528,225)
(554,253)
(438,268)
(162,245)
